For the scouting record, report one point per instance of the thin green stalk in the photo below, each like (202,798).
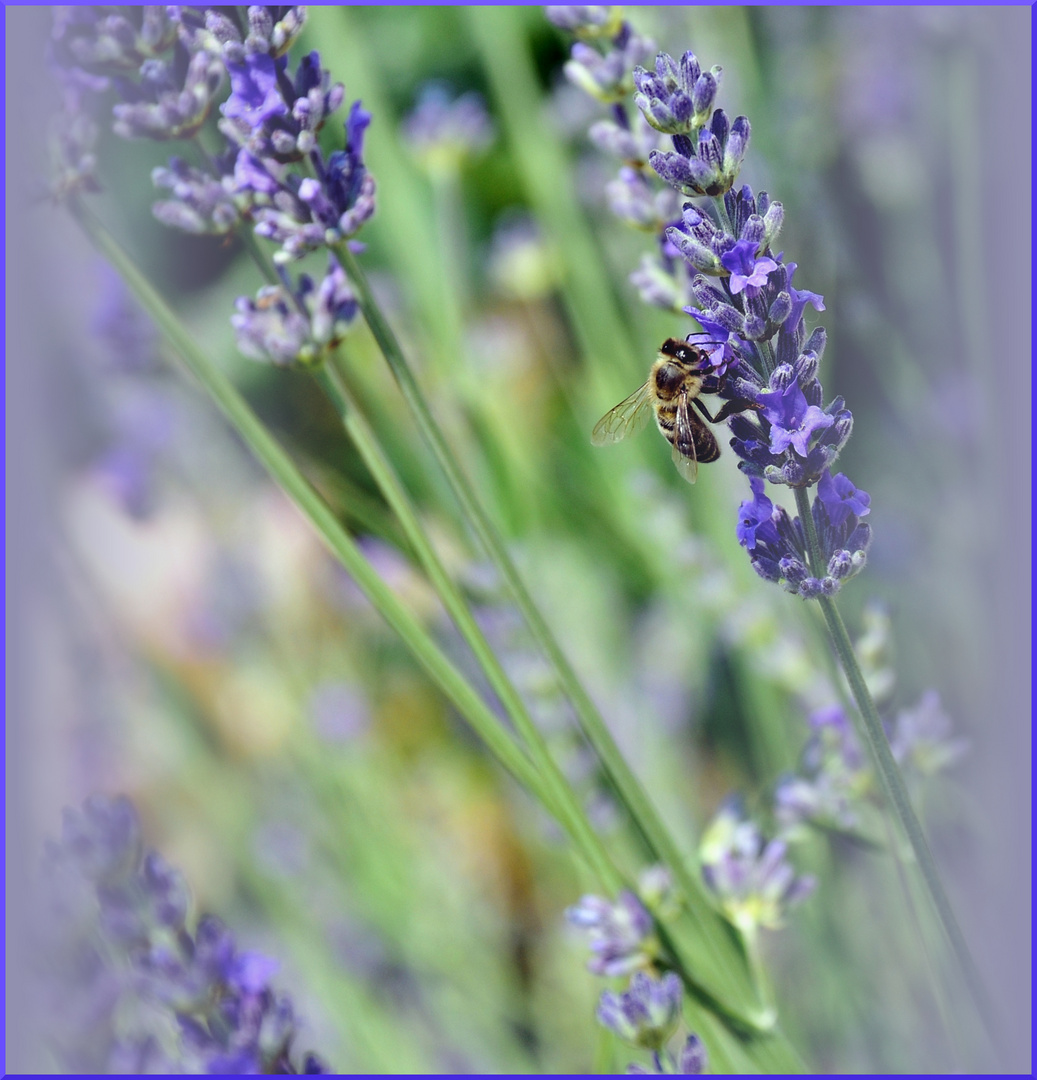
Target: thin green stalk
(313,507)
(889,773)
(564,804)
(710,949)
(807,520)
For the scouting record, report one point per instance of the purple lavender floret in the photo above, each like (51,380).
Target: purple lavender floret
(749,875)
(708,165)
(647,1013)
(271,115)
(307,214)
(201,203)
(296,324)
(621,933)
(255,96)
(119,937)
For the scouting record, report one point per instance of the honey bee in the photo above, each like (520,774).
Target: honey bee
(679,375)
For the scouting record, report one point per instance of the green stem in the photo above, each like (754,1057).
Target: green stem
(896,792)
(313,507)
(564,804)
(722,215)
(709,949)
(807,520)
(889,772)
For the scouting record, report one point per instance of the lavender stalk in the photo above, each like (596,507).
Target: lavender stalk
(761,360)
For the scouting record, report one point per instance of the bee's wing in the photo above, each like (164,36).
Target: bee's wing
(685,437)
(627,418)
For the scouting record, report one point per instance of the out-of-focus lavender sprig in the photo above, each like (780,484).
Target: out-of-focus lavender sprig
(443,132)
(139,414)
(922,740)
(647,1014)
(166,66)
(622,936)
(637,196)
(835,786)
(833,778)
(623,940)
(134,989)
(750,876)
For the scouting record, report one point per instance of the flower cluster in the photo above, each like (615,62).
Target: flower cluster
(833,780)
(750,877)
(135,989)
(603,73)
(288,325)
(166,67)
(622,938)
(779,547)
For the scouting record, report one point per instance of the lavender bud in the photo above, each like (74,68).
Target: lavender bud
(780,310)
(736,146)
(587,21)
(843,426)
(792,569)
(811,588)
(755,328)
(781,378)
(816,342)
(806,367)
(793,474)
(705,92)
(675,169)
(773,219)
(840,564)
(693,1058)
(700,257)
(729,318)
(766,568)
(753,230)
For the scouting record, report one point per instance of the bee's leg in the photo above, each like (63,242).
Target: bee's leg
(729,408)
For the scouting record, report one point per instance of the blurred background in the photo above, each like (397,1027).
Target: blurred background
(176,632)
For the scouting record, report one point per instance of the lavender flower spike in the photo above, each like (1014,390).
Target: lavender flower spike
(209,1006)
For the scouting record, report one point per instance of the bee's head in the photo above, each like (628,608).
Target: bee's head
(689,357)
